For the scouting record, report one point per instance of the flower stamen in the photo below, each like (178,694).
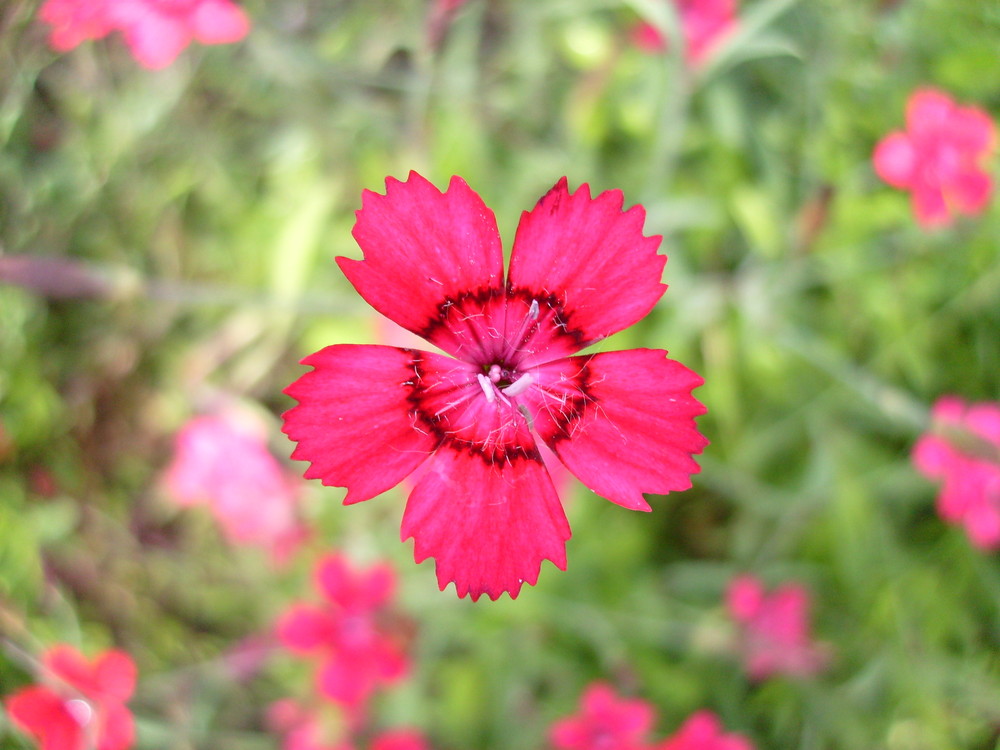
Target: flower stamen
(520,385)
(486,385)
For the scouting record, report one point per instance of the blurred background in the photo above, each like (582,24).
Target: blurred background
(166,252)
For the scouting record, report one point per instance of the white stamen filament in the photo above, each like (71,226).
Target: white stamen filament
(533,310)
(487,386)
(520,385)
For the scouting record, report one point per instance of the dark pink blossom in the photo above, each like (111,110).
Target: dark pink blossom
(774,629)
(963,451)
(705,24)
(357,655)
(939,158)
(222,461)
(605,722)
(484,505)
(156,31)
(80,704)
(703,731)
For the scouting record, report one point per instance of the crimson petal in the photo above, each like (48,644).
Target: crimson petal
(970,190)
(117,729)
(42,713)
(488,525)
(896,159)
(423,251)
(592,257)
(346,679)
(622,422)
(354,590)
(115,673)
(305,627)
(354,414)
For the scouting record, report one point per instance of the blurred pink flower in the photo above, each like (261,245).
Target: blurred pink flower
(703,731)
(774,636)
(74,21)
(303,729)
(604,722)
(300,728)
(81,704)
(222,461)
(357,654)
(704,23)
(156,31)
(970,493)
(939,157)
(400,739)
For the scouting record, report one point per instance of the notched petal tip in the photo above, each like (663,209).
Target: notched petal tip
(488,527)
(637,433)
(421,248)
(592,256)
(353,423)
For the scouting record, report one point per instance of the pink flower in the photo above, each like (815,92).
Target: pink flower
(400,739)
(74,21)
(300,727)
(939,157)
(484,505)
(604,722)
(963,450)
(82,703)
(775,635)
(156,31)
(703,731)
(357,655)
(222,461)
(704,23)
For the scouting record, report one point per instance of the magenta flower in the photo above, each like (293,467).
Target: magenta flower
(774,637)
(703,731)
(605,722)
(81,704)
(939,158)
(156,31)
(704,23)
(963,451)
(357,654)
(222,461)
(484,505)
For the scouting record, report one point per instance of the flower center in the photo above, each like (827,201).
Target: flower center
(499,375)
(498,380)
(511,329)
